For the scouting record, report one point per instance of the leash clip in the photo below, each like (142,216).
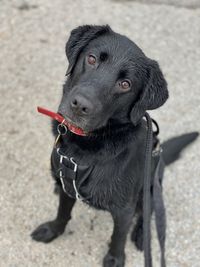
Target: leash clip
(62,130)
(157,150)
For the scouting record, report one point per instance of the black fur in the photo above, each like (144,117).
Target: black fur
(95,100)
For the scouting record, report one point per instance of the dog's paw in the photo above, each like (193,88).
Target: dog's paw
(137,237)
(111,261)
(48,231)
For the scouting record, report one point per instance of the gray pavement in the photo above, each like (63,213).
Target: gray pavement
(32,68)
(193,4)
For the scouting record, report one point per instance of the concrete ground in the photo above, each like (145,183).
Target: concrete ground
(32,69)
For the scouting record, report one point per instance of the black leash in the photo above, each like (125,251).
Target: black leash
(147,195)
(159,208)
(157,199)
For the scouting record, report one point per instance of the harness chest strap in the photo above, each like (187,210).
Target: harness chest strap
(69,170)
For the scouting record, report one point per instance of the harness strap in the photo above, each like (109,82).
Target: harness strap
(70,170)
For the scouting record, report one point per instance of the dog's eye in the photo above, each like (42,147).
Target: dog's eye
(91,60)
(125,85)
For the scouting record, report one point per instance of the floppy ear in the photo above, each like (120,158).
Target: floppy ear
(153,95)
(79,38)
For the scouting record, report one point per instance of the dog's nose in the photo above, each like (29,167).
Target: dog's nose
(81,105)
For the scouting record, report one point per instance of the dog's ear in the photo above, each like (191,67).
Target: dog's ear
(153,94)
(79,38)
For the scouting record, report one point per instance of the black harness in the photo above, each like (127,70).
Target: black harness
(70,173)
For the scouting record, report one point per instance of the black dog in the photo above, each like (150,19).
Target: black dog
(110,85)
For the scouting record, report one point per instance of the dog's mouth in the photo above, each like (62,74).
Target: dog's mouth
(91,129)
(73,126)
(69,120)
(65,121)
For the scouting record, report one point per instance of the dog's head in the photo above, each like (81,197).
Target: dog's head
(109,78)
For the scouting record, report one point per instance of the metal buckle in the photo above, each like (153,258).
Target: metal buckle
(61,173)
(61,155)
(75,164)
(157,150)
(78,196)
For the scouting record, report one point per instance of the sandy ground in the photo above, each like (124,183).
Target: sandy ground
(32,69)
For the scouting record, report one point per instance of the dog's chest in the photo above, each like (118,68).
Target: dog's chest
(101,183)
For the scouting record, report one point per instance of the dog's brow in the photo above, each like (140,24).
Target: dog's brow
(122,74)
(103,56)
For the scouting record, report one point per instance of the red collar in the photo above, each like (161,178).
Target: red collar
(59,118)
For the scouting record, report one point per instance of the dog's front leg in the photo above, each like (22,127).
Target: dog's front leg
(122,221)
(50,230)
